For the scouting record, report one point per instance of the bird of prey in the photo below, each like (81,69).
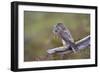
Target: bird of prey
(61,31)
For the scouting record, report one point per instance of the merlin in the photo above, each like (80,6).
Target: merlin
(63,32)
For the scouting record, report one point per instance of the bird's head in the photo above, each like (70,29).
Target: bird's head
(59,28)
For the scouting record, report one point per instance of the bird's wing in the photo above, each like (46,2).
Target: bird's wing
(68,34)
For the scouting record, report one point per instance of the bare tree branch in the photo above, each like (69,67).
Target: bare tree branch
(81,44)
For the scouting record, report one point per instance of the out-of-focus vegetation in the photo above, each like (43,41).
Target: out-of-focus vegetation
(38,35)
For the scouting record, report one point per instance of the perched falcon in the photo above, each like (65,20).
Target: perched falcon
(61,31)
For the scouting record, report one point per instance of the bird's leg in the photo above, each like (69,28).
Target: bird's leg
(69,42)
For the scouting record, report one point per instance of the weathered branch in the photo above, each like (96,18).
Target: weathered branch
(81,44)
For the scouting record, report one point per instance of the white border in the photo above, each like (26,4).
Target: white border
(34,64)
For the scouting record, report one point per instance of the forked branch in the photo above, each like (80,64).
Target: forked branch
(81,44)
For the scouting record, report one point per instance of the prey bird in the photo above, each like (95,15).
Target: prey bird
(62,32)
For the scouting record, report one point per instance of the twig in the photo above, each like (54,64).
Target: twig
(81,44)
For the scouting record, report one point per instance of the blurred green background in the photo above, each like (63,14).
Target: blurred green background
(38,35)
